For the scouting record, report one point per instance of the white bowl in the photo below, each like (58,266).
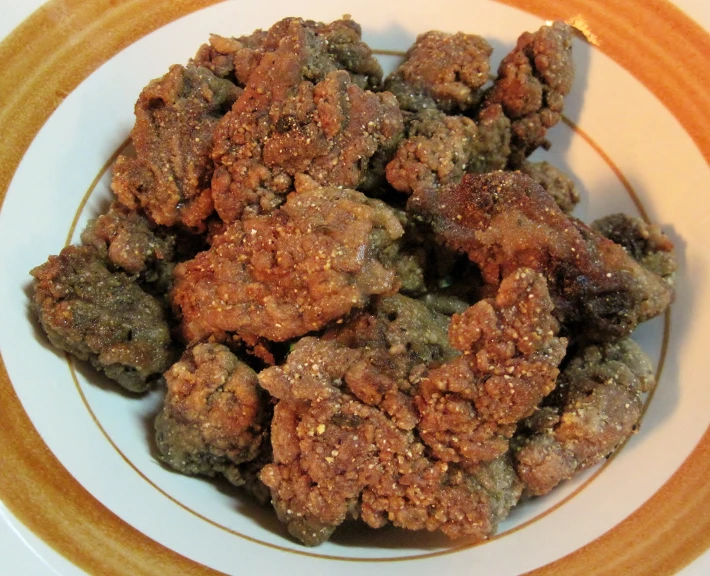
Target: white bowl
(76,472)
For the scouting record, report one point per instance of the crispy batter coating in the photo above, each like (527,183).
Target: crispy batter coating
(282,275)
(175,118)
(334,46)
(102,317)
(595,407)
(557,184)
(132,243)
(505,220)
(442,71)
(532,81)
(439,149)
(469,407)
(335,457)
(214,417)
(646,243)
(284,125)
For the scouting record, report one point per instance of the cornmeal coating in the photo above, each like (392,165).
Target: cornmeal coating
(595,407)
(469,407)
(213,419)
(335,456)
(646,243)
(557,184)
(505,220)
(293,271)
(103,317)
(532,81)
(334,46)
(286,124)
(176,116)
(443,71)
(132,243)
(439,149)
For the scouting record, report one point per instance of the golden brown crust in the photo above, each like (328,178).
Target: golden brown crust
(443,71)
(504,220)
(470,406)
(283,275)
(175,119)
(296,117)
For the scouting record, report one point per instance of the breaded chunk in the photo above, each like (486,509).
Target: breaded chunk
(213,419)
(469,407)
(595,407)
(132,243)
(292,120)
(335,457)
(531,85)
(334,46)
(504,220)
(102,317)
(285,274)
(443,71)
(175,118)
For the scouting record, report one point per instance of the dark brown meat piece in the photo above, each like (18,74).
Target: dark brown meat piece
(505,220)
(469,407)
(595,407)
(282,275)
(531,85)
(286,125)
(102,317)
(335,456)
(335,46)
(646,243)
(442,71)
(175,118)
(557,184)
(439,149)
(213,419)
(132,243)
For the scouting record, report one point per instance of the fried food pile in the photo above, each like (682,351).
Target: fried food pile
(362,298)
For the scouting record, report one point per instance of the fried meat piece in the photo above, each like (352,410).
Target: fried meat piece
(335,456)
(336,46)
(399,325)
(232,58)
(132,243)
(595,407)
(102,317)
(282,275)
(286,125)
(398,337)
(557,184)
(442,71)
(214,416)
(646,243)
(439,149)
(531,85)
(504,220)
(175,118)
(469,407)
